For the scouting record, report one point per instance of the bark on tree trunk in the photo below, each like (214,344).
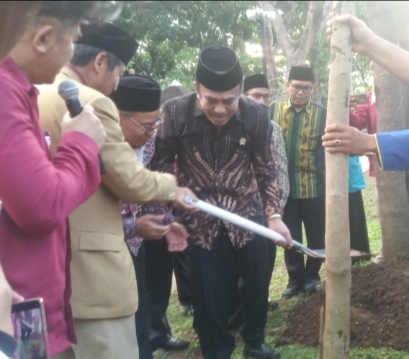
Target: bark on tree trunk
(391,115)
(296,52)
(338,261)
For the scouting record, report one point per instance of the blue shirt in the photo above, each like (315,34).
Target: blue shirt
(356,177)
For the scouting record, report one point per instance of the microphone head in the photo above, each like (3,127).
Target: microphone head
(68,90)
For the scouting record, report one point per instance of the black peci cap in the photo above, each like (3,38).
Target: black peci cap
(218,69)
(254,81)
(110,38)
(137,93)
(301,73)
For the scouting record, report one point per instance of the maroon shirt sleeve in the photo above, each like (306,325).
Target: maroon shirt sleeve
(36,190)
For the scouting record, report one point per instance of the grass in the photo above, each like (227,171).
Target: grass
(182,325)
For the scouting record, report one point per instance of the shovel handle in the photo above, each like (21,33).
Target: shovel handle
(235,219)
(247,224)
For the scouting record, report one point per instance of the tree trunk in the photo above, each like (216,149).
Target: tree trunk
(295,51)
(391,115)
(338,261)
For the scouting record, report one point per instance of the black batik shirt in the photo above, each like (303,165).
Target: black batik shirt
(231,168)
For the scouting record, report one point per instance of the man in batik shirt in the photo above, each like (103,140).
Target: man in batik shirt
(221,142)
(303,123)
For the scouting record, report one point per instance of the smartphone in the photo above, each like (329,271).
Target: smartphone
(30,329)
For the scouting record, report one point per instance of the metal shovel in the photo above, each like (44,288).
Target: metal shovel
(257,228)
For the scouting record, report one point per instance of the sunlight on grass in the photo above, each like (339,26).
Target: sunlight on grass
(371,210)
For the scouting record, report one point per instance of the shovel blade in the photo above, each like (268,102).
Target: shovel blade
(320,253)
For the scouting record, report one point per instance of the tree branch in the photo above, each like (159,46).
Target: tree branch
(311,33)
(283,38)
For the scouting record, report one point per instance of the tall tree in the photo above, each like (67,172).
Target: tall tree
(338,261)
(295,33)
(391,115)
(171,34)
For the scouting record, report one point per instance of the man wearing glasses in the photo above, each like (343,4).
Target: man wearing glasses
(138,101)
(303,123)
(256,87)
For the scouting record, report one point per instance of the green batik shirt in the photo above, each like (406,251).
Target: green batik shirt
(302,133)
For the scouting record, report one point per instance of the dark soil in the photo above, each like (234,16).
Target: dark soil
(379,309)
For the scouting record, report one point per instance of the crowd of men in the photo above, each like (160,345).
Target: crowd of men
(95,238)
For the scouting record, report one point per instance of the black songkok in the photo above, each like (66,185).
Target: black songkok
(254,81)
(137,93)
(301,73)
(110,38)
(218,69)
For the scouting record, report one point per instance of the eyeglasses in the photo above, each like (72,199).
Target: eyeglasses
(258,96)
(146,129)
(304,89)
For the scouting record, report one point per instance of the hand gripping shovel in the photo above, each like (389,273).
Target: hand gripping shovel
(257,228)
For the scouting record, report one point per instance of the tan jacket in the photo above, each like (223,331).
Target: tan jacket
(103,276)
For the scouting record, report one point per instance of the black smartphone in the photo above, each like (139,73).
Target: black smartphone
(30,329)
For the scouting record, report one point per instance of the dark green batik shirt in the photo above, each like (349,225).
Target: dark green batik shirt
(302,133)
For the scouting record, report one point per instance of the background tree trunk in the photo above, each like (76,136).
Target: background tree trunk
(280,35)
(391,115)
(337,243)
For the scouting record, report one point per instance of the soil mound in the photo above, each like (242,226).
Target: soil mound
(379,309)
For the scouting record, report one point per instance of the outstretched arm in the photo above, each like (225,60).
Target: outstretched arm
(387,55)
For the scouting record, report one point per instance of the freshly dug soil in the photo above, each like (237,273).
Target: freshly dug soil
(379,309)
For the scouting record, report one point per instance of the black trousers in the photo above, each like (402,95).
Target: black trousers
(357,223)
(311,213)
(159,268)
(182,276)
(235,318)
(141,318)
(211,277)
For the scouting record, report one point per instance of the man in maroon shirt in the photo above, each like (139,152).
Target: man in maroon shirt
(15,17)
(13,20)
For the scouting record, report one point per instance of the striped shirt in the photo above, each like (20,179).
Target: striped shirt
(302,133)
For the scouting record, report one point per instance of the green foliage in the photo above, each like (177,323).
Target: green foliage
(361,77)
(294,16)
(319,60)
(171,34)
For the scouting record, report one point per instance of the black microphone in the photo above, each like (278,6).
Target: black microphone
(69,91)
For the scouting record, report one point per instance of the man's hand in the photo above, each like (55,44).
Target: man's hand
(361,36)
(87,123)
(179,201)
(346,139)
(278,225)
(148,226)
(7,298)
(177,238)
